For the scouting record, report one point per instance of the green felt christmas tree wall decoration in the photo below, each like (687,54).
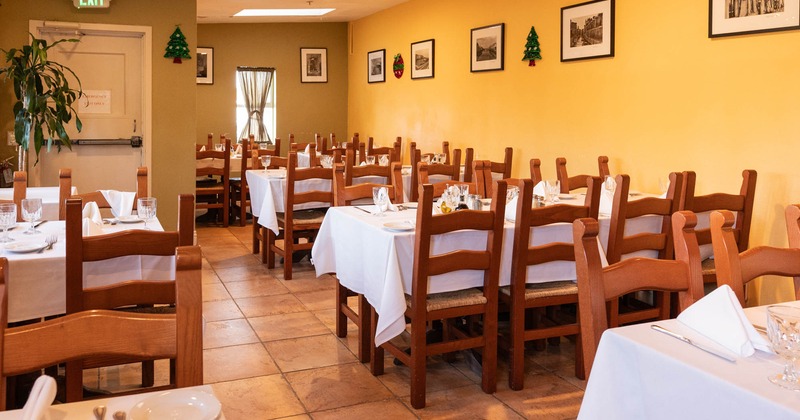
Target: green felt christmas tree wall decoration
(532,50)
(177,48)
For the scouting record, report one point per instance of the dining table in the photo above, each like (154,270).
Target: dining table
(37,276)
(235,164)
(641,373)
(373,255)
(197,402)
(49,196)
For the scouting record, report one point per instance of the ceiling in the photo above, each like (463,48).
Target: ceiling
(222,11)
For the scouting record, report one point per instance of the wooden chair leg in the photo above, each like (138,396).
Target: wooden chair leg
(74,382)
(256,238)
(418,359)
(288,250)
(148,373)
(580,368)
(489,362)
(516,376)
(267,253)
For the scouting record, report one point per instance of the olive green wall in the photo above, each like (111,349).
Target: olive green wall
(174,93)
(303,108)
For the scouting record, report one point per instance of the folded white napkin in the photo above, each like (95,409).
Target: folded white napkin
(719,317)
(41,397)
(238,150)
(363,164)
(121,202)
(308,148)
(202,149)
(92,220)
(511,210)
(539,189)
(606,201)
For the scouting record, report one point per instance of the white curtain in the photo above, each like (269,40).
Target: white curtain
(255,83)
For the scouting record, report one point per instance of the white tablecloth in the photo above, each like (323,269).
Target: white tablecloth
(268,195)
(235,162)
(49,196)
(37,282)
(83,409)
(643,374)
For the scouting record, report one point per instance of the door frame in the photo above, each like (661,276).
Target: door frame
(145,33)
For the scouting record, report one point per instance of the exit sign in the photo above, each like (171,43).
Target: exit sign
(91,4)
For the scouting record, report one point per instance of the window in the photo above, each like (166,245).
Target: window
(260,82)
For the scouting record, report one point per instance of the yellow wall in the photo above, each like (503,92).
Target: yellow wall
(174,94)
(671,100)
(303,108)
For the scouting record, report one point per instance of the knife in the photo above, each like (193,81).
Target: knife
(706,349)
(364,210)
(39,224)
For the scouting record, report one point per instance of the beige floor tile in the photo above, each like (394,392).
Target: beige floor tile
(258,398)
(318,300)
(270,305)
(229,256)
(309,283)
(344,385)
(441,375)
(292,325)
(544,397)
(221,310)
(209,276)
(309,352)
(237,362)
(215,291)
(243,273)
(228,333)
(386,409)
(250,288)
(466,402)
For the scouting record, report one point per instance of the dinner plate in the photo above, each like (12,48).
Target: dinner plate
(398,226)
(567,196)
(24,247)
(178,404)
(129,219)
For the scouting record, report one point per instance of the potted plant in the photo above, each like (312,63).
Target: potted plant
(44,99)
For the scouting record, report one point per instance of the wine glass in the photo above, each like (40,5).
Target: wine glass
(326,160)
(426,159)
(383,160)
(8,217)
(146,209)
(511,193)
(783,329)
(380,196)
(441,158)
(31,212)
(551,189)
(370,160)
(463,190)
(219,147)
(265,161)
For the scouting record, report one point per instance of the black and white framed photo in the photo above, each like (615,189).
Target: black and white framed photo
(587,30)
(422,55)
(313,65)
(205,66)
(738,17)
(487,48)
(376,66)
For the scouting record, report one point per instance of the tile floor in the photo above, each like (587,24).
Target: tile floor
(270,352)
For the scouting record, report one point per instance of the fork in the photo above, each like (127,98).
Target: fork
(50,241)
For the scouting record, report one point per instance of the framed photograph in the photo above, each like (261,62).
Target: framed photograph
(314,65)
(487,48)
(737,17)
(376,66)
(205,66)
(587,30)
(422,54)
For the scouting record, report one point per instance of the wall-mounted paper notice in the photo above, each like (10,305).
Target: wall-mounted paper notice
(95,102)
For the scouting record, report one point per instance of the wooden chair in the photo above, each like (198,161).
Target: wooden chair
(425,171)
(598,285)
(65,190)
(737,268)
(659,242)
(313,159)
(569,183)
(392,174)
(276,162)
(481,170)
(536,171)
(209,143)
(113,334)
(450,170)
(741,204)
(295,224)
(525,301)
(125,292)
(423,307)
(214,191)
(386,150)
(344,195)
(239,193)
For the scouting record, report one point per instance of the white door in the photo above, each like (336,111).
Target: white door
(110,63)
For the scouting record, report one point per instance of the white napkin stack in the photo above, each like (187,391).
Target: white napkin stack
(719,317)
(92,220)
(42,395)
(511,210)
(121,202)
(539,189)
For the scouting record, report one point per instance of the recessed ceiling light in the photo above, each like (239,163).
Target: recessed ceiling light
(283,12)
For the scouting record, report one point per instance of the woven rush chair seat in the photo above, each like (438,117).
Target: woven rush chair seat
(454,299)
(543,290)
(307,217)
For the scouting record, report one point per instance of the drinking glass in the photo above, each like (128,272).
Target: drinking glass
(463,190)
(383,160)
(441,157)
(263,146)
(31,212)
(609,184)
(426,159)
(146,209)
(370,160)
(511,193)
(265,161)
(8,217)
(380,196)
(327,161)
(219,147)
(783,329)
(551,189)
